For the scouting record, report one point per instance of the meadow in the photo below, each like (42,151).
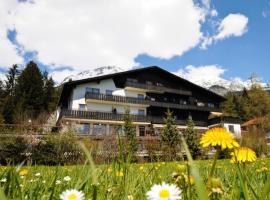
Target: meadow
(128,181)
(242,177)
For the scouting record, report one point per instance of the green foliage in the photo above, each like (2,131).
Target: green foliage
(192,139)
(26,94)
(29,91)
(13,150)
(57,150)
(130,134)
(248,104)
(170,135)
(170,138)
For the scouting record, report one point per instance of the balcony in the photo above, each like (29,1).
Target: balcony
(79,114)
(138,101)
(156,88)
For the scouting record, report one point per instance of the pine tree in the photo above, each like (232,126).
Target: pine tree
(9,98)
(130,134)
(170,136)
(29,91)
(192,139)
(50,95)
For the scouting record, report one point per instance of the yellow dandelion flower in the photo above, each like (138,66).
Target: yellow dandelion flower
(119,174)
(109,170)
(218,137)
(23,172)
(141,167)
(189,180)
(243,155)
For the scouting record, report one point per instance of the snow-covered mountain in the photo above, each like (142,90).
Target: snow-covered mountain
(100,71)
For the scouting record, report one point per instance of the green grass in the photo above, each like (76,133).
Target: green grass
(101,182)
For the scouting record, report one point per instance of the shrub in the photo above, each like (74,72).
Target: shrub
(13,150)
(57,150)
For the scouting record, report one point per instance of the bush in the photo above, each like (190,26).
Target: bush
(13,150)
(57,150)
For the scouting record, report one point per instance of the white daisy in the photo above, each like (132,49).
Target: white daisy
(38,174)
(67,178)
(3,180)
(164,192)
(57,182)
(72,195)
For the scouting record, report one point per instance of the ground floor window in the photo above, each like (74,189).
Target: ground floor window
(99,129)
(231,128)
(116,130)
(141,130)
(82,128)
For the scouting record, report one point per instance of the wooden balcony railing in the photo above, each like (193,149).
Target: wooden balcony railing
(119,117)
(133,100)
(157,88)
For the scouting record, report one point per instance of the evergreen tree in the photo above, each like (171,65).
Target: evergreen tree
(130,134)
(170,136)
(9,96)
(29,91)
(50,95)
(192,139)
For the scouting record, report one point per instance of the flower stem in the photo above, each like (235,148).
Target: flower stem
(214,164)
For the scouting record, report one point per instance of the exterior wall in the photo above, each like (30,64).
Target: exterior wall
(237,129)
(108,108)
(78,94)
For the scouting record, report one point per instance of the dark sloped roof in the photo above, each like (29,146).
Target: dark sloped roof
(70,84)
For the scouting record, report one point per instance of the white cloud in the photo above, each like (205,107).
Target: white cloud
(201,73)
(59,75)
(95,33)
(86,34)
(8,53)
(209,75)
(232,25)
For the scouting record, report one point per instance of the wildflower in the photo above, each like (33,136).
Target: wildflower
(217,190)
(109,170)
(3,180)
(218,137)
(67,178)
(58,182)
(23,172)
(129,197)
(243,155)
(72,195)
(119,174)
(181,168)
(141,167)
(263,169)
(37,174)
(189,180)
(164,192)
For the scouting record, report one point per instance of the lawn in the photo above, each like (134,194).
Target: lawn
(130,181)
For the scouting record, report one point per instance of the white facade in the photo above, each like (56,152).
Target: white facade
(78,97)
(234,128)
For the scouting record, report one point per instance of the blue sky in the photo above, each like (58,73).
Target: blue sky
(241,56)
(70,41)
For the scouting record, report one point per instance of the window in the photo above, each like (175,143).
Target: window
(140,96)
(231,128)
(109,92)
(141,112)
(93,90)
(141,131)
(99,129)
(82,107)
(82,128)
